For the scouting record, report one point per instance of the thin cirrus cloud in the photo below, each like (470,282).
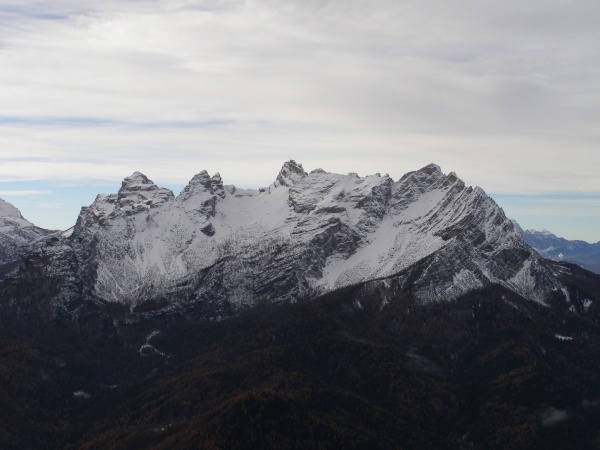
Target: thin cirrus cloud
(26,193)
(504,93)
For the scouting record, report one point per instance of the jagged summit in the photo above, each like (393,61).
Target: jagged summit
(199,199)
(216,184)
(136,178)
(8,210)
(431,168)
(428,174)
(17,235)
(200,183)
(290,174)
(138,192)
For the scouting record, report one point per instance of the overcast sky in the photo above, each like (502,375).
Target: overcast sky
(506,94)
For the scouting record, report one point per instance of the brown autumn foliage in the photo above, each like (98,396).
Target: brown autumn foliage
(483,372)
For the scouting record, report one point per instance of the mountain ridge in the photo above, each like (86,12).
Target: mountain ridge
(17,234)
(221,250)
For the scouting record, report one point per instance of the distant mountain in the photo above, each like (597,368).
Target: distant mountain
(17,235)
(556,248)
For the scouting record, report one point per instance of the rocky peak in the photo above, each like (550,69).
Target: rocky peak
(135,182)
(199,199)
(138,193)
(203,185)
(290,174)
(413,184)
(426,176)
(8,210)
(138,177)
(200,184)
(430,169)
(216,185)
(17,235)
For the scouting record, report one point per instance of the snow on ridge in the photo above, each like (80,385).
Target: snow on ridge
(329,229)
(18,236)
(9,210)
(543,232)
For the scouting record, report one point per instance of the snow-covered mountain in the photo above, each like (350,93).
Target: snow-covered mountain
(17,235)
(115,317)
(223,249)
(556,248)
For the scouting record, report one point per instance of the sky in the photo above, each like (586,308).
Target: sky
(505,94)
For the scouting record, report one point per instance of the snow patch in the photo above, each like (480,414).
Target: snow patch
(563,338)
(82,394)
(551,416)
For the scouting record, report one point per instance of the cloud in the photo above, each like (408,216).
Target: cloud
(503,93)
(23,193)
(552,205)
(417,67)
(50,205)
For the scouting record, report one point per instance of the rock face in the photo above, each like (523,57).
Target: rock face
(17,235)
(220,249)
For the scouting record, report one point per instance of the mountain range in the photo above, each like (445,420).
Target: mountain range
(223,250)
(324,310)
(556,248)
